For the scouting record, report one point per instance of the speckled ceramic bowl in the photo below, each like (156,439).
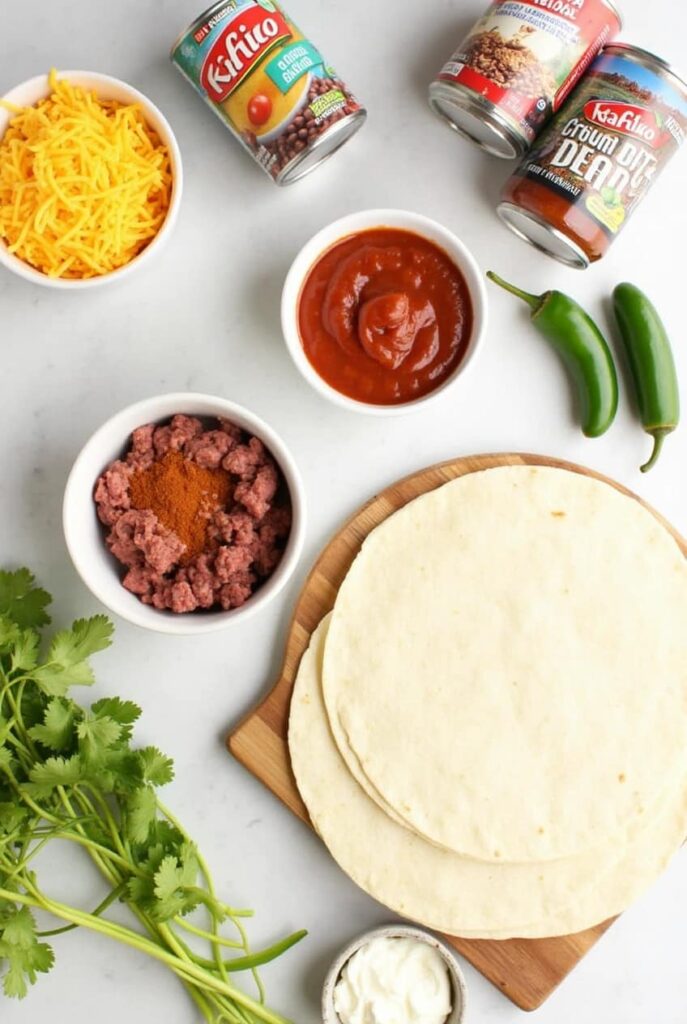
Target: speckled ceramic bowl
(400,931)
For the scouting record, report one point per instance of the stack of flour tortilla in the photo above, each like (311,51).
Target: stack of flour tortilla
(489,731)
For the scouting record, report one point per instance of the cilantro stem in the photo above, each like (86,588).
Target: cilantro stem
(40,812)
(210,936)
(129,938)
(111,823)
(111,898)
(202,1005)
(161,931)
(205,871)
(69,772)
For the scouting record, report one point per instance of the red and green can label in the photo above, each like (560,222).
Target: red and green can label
(606,147)
(525,56)
(270,85)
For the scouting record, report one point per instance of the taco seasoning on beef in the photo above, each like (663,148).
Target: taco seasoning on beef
(197,513)
(272,88)
(592,166)
(516,67)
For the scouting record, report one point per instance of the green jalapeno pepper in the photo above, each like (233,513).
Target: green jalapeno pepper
(651,364)
(583,349)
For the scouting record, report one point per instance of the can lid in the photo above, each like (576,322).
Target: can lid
(322,148)
(473,121)
(543,236)
(649,60)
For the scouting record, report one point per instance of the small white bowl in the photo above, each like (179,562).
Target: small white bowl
(84,533)
(27,95)
(457,980)
(364,221)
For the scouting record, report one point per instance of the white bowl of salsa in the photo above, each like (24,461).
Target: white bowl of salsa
(383,311)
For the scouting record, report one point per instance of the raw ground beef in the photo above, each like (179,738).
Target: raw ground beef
(245,539)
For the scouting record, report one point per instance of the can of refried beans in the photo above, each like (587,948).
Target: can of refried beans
(269,84)
(517,66)
(575,190)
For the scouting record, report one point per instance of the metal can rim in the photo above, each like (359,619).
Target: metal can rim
(614,7)
(356,119)
(488,111)
(581,263)
(648,59)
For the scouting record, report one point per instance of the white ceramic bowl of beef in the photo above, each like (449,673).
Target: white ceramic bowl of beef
(85,535)
(106,88)
(367,220)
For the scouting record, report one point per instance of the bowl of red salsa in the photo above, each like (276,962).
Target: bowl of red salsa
(383,310)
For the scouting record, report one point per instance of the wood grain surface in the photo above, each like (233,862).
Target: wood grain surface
(527,971)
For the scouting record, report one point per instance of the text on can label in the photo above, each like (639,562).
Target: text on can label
(244,41)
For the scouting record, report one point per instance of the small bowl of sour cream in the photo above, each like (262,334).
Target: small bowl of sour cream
(397,973)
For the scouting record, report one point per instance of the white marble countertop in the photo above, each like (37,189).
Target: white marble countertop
(204,316)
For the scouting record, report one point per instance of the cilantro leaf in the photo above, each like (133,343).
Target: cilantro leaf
(158,770)
(141,811)
(9,633)
(20,930)
(25,956)
(12,815)
(175,881)
(5,758)
(25,650)
(97,735)
(57,730)
(24,964)
(86,637)
(66,664)
(141,892)
(21,601)
(125,712)
(55,771)
(118,771)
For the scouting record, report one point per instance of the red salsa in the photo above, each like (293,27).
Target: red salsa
(385,316)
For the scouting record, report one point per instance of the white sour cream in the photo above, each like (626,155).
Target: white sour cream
(394,981)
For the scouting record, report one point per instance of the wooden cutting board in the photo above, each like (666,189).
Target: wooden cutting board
(526,970)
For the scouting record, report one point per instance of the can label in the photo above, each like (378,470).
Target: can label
(525,56)
(604,150)
(269,84)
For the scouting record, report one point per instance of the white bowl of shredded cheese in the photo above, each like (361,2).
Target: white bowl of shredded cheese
(85,206)
(397,973)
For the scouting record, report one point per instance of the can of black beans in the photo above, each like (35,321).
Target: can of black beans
(270,85)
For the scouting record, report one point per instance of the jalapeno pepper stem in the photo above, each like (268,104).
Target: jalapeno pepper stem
(532,300)
(659,435)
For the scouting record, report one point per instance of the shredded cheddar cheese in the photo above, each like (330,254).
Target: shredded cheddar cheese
(85,183)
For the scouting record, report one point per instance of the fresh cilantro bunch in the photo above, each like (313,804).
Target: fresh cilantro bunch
(71,773)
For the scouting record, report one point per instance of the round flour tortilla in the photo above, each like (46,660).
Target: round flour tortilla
(443,890)
(507,664)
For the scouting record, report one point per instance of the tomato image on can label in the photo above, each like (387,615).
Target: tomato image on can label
(269,84)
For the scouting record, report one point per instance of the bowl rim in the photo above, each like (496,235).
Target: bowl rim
(155,409)
(327,237)
(391,931)
(39,85)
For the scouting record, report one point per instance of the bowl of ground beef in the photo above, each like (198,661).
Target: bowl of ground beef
(184,513)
